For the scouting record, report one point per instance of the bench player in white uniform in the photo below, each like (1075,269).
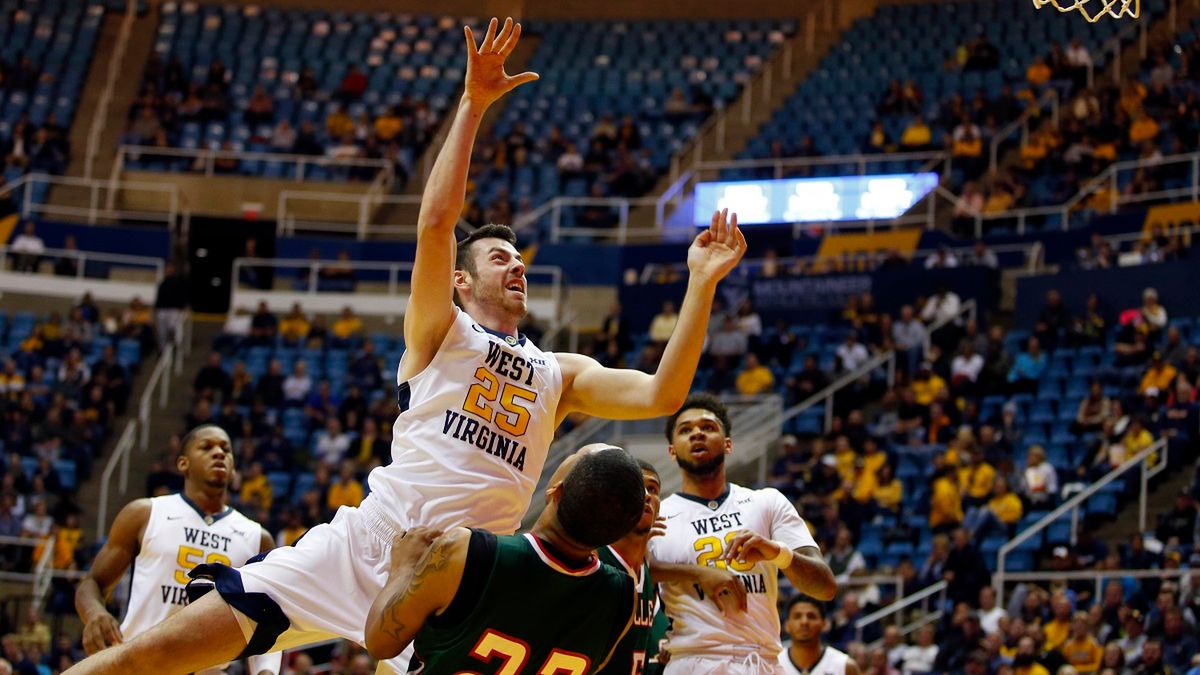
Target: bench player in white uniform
(753,533)
(804,623)
(479,406)
(164,538)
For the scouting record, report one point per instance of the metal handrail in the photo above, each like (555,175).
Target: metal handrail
(120,456)
(1072,505)
(903,604)
(177,209)
(1022,123)
(826,395)
(862,160)
(209,158)
(83,257)
(367,202)
(160,381)
(100,116)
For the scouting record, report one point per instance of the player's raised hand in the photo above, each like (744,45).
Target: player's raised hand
(486,80)
(718,249)
(722,587)
(100,633)
(410,546)
(748,547)
(659,528)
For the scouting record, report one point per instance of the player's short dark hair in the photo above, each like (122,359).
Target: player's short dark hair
(191,435)
(801,598)
(702,402)
(465,260)
(603,497)
(647,466)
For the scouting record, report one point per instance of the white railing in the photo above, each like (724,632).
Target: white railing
(826,396)
(780,165)
(289,219)
(102,200)
(100,116)
(82,258)
(1050,98)
(203,160)
(1099,577)
(42,569)
(921,597)
(967,309)
(160,382)
(1157,453)
(119,458)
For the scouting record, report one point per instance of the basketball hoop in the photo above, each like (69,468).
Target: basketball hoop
(1094,10)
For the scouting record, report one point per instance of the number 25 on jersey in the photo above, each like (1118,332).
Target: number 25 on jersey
(513,654)
(513,416)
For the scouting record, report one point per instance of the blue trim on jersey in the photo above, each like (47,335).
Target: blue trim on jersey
(403,396)
(206,516)
(701,500)
(265,612)
(520,339)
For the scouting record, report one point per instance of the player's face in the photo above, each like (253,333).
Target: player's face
(499,278)
(699,443)
(653,502)
(804,623)
(209,458)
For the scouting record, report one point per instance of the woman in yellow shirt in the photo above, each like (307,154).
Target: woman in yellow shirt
(1082,650)
(889,492)
(945,508)
(348,325)
(1001,513)
(294,327)
(346,491)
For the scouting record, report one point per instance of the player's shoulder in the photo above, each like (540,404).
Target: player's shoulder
(766,495)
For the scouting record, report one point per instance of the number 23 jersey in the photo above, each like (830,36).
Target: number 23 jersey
(472,436)
(178,537)
(698,531)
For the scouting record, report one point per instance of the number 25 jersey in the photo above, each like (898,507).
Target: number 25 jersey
(472,436)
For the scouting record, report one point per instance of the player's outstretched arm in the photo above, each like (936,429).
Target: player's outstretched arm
(714,583)
(427,567)
(101,629)
(630,394)
(430,309)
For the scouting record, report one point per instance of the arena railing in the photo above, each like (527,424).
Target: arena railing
(105,289)
(118,459)
(1032,113)
(84,257)
(921,597)
(1098,577)
(203,160)
(967,310)
(1151,461)
(115,64)
(102,198)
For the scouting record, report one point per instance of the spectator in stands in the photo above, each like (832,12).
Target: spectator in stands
(1027,368)
(263,325)
(754,378)
(365,368)
(1053,321)
(852,354)
(307,142)
(1153,314)
(1041,479)
(917,136)
(293,328)
(945,510)
(1078,62)
(256,492)
(1159,376)
(353,85)
(283,137)
(261,108)
(1082,650)
(941,307)
(908,335)
(1179,645)
(1089,329)
(170,301)
(46,155)
(965,369)
(967,147)
(921,658)
(976,478)
(321,404)
(348,327)
(345,491)
(27,249)
(808,381)
(145,128)
(1093,410)
(331,444)
(927,385)
(212,382)
(297,385)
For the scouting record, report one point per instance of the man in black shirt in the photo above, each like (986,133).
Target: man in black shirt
(170,303)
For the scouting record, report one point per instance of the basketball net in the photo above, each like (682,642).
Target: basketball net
(1094,10)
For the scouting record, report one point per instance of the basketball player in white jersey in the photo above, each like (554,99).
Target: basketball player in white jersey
(753,533)
(804,623)
(479,405)
(164,538)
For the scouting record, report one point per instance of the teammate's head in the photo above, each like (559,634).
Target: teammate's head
(653,486)
(207,457)
(597,495)
(699,435)
(488,269)
(805,619)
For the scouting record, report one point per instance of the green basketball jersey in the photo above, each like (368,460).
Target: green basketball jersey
(520,609)
(630,655)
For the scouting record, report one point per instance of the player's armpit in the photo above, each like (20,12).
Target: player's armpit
(615,393)
(810,574)
(415,591)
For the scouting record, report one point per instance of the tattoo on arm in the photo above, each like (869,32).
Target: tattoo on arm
(434,561)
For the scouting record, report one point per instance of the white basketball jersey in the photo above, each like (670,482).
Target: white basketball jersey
(177,538)
(697,531)
(832,662)
(472,436)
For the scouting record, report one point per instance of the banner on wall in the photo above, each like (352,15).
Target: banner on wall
(1172,217)
(904,241)
(785,295)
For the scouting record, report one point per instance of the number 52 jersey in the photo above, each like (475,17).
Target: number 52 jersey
(178,537)
(698,531)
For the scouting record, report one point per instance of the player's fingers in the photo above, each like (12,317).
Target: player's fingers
(510,43)
(716,221)
(740,236)
(484,47)
(472,46)
(734,548)
(524,78)
(739,591)
(501,36)
(703,239)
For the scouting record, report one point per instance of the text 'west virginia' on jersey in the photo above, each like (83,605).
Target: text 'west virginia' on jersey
(522,609)
(697,533)
(629,658)
(179,537)
(472,435)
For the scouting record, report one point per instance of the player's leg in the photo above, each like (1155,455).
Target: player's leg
(206,633)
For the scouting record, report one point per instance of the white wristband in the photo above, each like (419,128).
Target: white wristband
(784,559)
